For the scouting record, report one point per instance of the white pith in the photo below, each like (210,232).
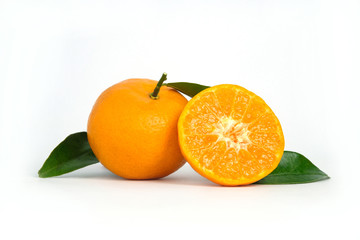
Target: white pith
(227,129)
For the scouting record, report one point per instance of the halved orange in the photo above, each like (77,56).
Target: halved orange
(230,135)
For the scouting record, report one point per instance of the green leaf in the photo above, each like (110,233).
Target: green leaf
(71,154)
(294,168)
(190,89)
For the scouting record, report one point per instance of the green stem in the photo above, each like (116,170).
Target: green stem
(154,95)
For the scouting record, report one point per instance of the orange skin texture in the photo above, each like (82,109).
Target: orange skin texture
(134,136)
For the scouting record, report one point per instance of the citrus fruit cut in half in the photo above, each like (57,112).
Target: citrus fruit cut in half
(230,135)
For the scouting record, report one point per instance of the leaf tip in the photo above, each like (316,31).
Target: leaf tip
(41,174)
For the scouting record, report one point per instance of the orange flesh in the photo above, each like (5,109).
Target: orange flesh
(230,135)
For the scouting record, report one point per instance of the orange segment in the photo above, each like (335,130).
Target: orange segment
(199,124)
(262,158)
(265,132)
(228,165)
(208,157)
(230,135)
(209,104)
(240,105)
(200,141)
(255,109)
(227,96)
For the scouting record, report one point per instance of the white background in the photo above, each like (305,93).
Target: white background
(56,57)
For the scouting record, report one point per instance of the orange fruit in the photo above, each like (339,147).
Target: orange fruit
(230,135)
(135,135)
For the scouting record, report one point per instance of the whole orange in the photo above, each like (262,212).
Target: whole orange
(133,132)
